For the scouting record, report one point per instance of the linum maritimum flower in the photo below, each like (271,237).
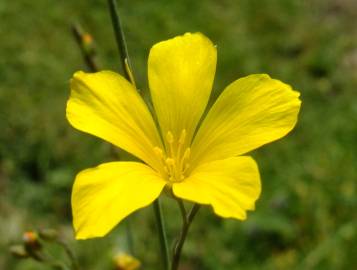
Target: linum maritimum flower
(200,163)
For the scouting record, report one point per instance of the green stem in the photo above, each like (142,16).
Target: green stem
(70,254)
(125,61)
(87,53)
(120,39)
(162,234)
(57,265)
(47,260)
(129,237)
(183,211)
(90,60)
(187,220)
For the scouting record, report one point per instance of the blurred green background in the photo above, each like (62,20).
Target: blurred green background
(306,217)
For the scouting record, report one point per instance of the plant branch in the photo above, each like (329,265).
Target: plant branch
(162,234)
(121,42)
(182,210)
(70,254)
(129,237)
(179,243)
(86,45)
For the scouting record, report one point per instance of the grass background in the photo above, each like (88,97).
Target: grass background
(306,217)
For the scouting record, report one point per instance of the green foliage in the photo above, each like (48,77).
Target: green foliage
(306,217)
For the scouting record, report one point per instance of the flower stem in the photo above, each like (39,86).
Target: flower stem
(124,57)
(126,65)
(129,237)
(187,220)
(120,39)
(162,234)
(70,254)
(183,211)
(88,52)
(85,44)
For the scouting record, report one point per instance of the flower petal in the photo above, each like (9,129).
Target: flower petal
(105,195)
(231,186)
(106,105)
(250,112)
(181,73)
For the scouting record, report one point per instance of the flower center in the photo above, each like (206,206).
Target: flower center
(175,160)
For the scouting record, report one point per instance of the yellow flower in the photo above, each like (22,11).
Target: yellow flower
(201,163)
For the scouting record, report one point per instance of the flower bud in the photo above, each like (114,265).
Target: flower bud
(124,261)
(31,240)
(19,251)
(48,234)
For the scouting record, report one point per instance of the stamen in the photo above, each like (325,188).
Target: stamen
(159,152)
(187,166)
(170,137)
(170,162)
(180,147)
(187,154)
(175,160)
(182,137)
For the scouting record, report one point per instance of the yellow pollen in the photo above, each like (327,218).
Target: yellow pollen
(175,159)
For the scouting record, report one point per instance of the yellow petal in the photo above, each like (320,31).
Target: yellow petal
(250,112)
(231,186)
(181,72)
(106,105)
(105,195)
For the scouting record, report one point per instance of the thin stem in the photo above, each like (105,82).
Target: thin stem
(85,44)
(162,234)
(121,42)
(70,254)
(89,53)
(179,244)
(48,260)
(182,210)
(129,237)
(57,265)
(126,65)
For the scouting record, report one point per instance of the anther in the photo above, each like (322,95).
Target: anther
(158,152)
(187,166)
(187,154)
(182,137)
(175,160)
(169,137)
(170,161)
